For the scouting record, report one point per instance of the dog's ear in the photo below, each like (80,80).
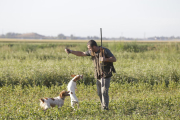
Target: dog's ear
(42,100)
(77,78)
(73,75)
(62,94)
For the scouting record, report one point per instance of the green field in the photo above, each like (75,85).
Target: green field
(146,85)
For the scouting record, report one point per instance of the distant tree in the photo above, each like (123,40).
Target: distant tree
(11,35)
(172,37)
(61,36)
(2,36)
(72,36)
(96,37)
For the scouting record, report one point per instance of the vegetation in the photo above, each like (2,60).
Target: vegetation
(146,85)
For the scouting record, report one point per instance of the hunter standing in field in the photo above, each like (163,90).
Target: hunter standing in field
(102,73)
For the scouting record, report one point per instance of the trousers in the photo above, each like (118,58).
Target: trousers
(103,85)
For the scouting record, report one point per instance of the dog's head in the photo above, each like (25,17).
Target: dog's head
(77,77)
(63,94)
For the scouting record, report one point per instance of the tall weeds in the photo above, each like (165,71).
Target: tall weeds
(47,64)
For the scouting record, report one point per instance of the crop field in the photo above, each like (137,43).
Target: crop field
(146,85)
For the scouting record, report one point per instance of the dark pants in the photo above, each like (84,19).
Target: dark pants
(102,89)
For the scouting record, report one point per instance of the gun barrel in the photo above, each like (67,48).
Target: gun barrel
(101,36)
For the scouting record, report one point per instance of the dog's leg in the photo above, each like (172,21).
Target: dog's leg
(60,106)
(72,104)
(44,111)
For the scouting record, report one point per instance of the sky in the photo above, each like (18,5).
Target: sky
(117,18)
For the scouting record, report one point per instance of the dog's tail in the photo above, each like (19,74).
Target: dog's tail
(42,100)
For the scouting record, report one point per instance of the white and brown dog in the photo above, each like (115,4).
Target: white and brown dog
(71,88)
(46,103)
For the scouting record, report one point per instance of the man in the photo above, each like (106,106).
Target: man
(102,73)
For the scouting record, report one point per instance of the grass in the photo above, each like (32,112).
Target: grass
(146,85)
(126,102)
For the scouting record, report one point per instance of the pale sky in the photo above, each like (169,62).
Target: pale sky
(128,18)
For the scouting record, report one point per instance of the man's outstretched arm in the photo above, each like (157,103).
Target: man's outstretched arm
(77,53)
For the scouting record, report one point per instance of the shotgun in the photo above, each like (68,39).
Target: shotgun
(101,55)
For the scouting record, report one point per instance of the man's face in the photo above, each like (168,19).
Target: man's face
(90,48)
